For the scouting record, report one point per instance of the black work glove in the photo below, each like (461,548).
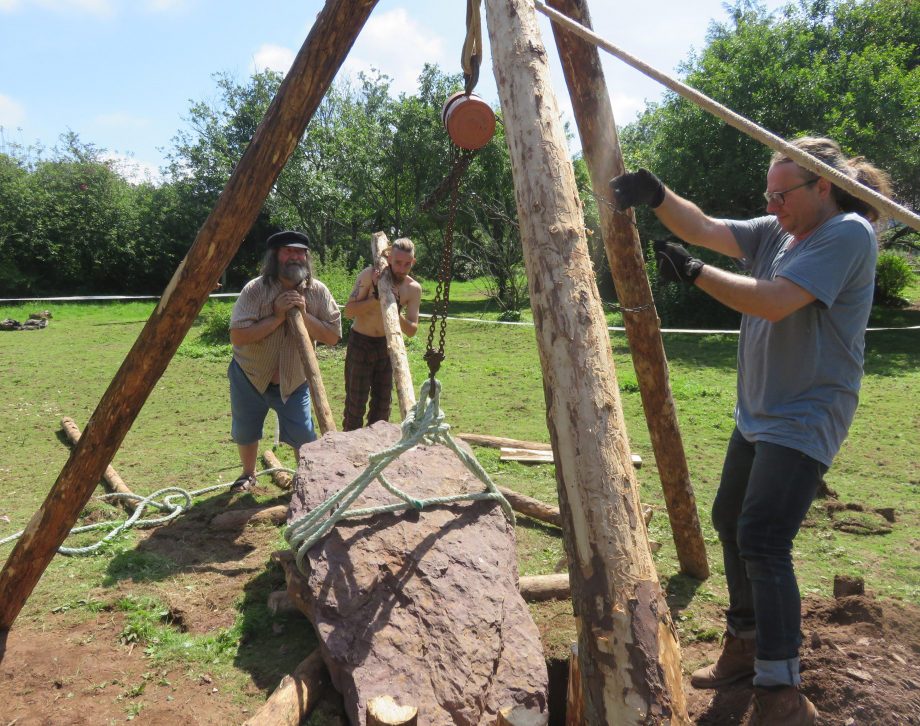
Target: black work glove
(675,264)
(637,188)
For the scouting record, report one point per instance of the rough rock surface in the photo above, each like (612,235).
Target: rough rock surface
(423,607)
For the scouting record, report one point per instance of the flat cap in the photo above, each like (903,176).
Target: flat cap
(288,238)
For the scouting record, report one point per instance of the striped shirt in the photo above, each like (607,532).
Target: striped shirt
(277,351)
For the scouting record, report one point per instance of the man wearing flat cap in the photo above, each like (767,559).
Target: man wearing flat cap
(266,371)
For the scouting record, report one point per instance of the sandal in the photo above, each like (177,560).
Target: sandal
(243,484)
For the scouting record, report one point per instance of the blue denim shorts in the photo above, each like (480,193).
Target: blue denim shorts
(249,408)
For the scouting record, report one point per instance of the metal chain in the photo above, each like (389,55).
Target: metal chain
(462,158)
(641,229)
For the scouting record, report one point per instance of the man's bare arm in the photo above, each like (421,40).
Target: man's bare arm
(361,300)
(408,323)
(772,300)
(687,221)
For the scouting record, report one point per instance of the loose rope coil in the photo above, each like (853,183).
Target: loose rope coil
(172,504)
(424,424)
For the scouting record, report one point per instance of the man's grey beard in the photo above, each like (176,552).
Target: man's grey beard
(293,271)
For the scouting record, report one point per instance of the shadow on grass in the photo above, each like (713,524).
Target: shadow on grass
(680,591)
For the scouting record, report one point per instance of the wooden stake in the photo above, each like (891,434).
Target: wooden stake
(530,456)
(626,635)
(295,696)
(405,392)
(304,86)
(575,702)
(532,507)
(601,148)
(114,483)
(498,442)
(281,478)
(298,589)
(383,711)
(318,400)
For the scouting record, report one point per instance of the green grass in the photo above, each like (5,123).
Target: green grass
(492,384)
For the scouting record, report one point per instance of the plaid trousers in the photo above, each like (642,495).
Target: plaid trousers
(367,371)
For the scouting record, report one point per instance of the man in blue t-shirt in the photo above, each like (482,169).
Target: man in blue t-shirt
(800,355)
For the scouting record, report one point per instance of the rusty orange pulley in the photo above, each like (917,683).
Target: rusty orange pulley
(469,120)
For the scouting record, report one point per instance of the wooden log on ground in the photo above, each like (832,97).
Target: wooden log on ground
(113,482)
(402,376)
(281,478)
(529,456)
(532,507)
(296,696)
(575,700)
(520,716)
(239,518)
(300,93)
(601,147)
(536,588)
(383,711)
(298,588)
(628,643)
(499,442)
(280,603)
(318,401)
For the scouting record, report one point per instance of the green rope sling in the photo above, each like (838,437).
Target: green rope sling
(424,424)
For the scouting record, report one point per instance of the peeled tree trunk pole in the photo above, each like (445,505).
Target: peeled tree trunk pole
(395,345)
(315,383)
(628,647)
(600,145)
(327,45)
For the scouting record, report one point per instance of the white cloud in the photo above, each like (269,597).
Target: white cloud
(12,113)
(96,7)
(133,170)
(274,57)
(122,120)
(625,107)
(167,6)
(398,46)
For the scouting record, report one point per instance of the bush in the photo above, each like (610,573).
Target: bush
(892,276)
(216,327)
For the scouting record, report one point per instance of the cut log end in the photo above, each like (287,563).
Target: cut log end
(520,716)
(384,711)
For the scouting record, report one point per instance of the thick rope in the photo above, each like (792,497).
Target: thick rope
(424,424)
(472,44)
(170,504)
(803,159)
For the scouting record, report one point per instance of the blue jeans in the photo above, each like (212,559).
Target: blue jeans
(249,408)
(764,495)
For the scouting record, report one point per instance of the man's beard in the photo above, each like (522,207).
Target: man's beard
(293,271)
(397,279)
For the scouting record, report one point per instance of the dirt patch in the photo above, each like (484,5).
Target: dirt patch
(860,665)
(80,674)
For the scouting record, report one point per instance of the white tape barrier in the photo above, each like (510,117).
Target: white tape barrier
(692,331)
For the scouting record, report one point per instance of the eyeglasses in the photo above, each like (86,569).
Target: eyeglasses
(780,197)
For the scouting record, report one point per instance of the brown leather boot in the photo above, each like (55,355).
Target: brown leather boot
(786,707)
(736,661)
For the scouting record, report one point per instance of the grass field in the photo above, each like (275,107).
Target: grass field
(492,385)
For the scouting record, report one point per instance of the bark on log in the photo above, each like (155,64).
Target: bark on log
(297,587)
(281,478)
(383,711)
(499,442)
(626,635)
(239,518)
(402,376)
(113,482)
(300,93)
(601,148)
(318,400)
(532,507)
(536,588)
(520,716)
(575,701)
(295,696)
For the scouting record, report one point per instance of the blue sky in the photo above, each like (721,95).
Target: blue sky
(122,73)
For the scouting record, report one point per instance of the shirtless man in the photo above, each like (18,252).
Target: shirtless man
(367,362)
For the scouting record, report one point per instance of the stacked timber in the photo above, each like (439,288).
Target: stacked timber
(422,607)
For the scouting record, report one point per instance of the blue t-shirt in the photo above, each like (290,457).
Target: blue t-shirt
(798,379)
